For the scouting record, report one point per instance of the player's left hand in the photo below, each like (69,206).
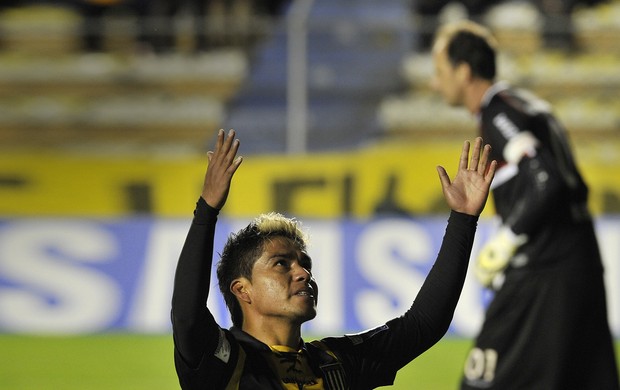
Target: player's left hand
(469,190)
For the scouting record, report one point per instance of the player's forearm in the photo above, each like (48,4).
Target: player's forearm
(190,318)
(193,272)
(434,305)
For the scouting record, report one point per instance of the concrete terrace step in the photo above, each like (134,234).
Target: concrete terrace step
(518,26)
(582,88)
(548,73)
(84,99)
(53,95)
(425,115)
(217,74)
(61,121)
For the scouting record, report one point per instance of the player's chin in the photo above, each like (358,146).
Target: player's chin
(309,314)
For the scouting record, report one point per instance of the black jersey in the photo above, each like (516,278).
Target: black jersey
(209,357)
(546,326)
(537,185)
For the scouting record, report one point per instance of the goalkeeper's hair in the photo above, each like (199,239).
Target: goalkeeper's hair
(470,43)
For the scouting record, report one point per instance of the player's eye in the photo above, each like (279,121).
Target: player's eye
(281,262)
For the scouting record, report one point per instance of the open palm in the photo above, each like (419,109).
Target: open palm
(469,190)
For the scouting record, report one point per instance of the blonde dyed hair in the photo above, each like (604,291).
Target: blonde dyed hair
(243,248)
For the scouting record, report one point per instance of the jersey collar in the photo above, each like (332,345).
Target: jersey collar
(494,90)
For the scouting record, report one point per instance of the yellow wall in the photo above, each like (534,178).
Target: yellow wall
(54,184)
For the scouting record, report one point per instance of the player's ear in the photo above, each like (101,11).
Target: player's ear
(240,288)
(463,72)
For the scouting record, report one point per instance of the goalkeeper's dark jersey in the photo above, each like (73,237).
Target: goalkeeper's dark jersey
(543,194)
(209,357)
(546,326)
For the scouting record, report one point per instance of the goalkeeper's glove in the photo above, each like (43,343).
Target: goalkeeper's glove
(496,254)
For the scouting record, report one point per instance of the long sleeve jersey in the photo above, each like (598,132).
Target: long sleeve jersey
(538,190)
(209,357)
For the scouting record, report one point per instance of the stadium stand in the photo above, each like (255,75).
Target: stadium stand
(583,85)
(354,52)
(54,95)
(365,82)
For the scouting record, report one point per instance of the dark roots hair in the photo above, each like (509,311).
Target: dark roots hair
(243,248)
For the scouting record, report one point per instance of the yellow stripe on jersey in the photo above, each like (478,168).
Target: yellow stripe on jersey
(233,384)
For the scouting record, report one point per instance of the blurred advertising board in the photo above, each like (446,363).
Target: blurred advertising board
(76,275)
(351,184)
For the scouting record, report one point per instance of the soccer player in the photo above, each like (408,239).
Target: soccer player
(265,276)
(546,327)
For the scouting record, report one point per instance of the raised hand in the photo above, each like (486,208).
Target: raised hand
(223,163)
(469,190)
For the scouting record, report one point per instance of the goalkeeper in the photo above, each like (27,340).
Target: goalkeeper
(547,326)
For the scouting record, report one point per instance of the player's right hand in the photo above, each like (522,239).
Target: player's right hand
(223,163)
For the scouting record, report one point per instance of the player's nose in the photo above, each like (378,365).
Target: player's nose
(301,273)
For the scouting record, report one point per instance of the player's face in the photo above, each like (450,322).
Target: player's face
(282,284)
(446,80)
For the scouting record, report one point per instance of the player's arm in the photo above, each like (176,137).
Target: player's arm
(429,317)
(434,306)
(540,184)
(382,351)
(194,328)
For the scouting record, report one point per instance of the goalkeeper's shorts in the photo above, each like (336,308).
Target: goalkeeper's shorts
(545,330)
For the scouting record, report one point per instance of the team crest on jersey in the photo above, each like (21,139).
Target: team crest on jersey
(222,351)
